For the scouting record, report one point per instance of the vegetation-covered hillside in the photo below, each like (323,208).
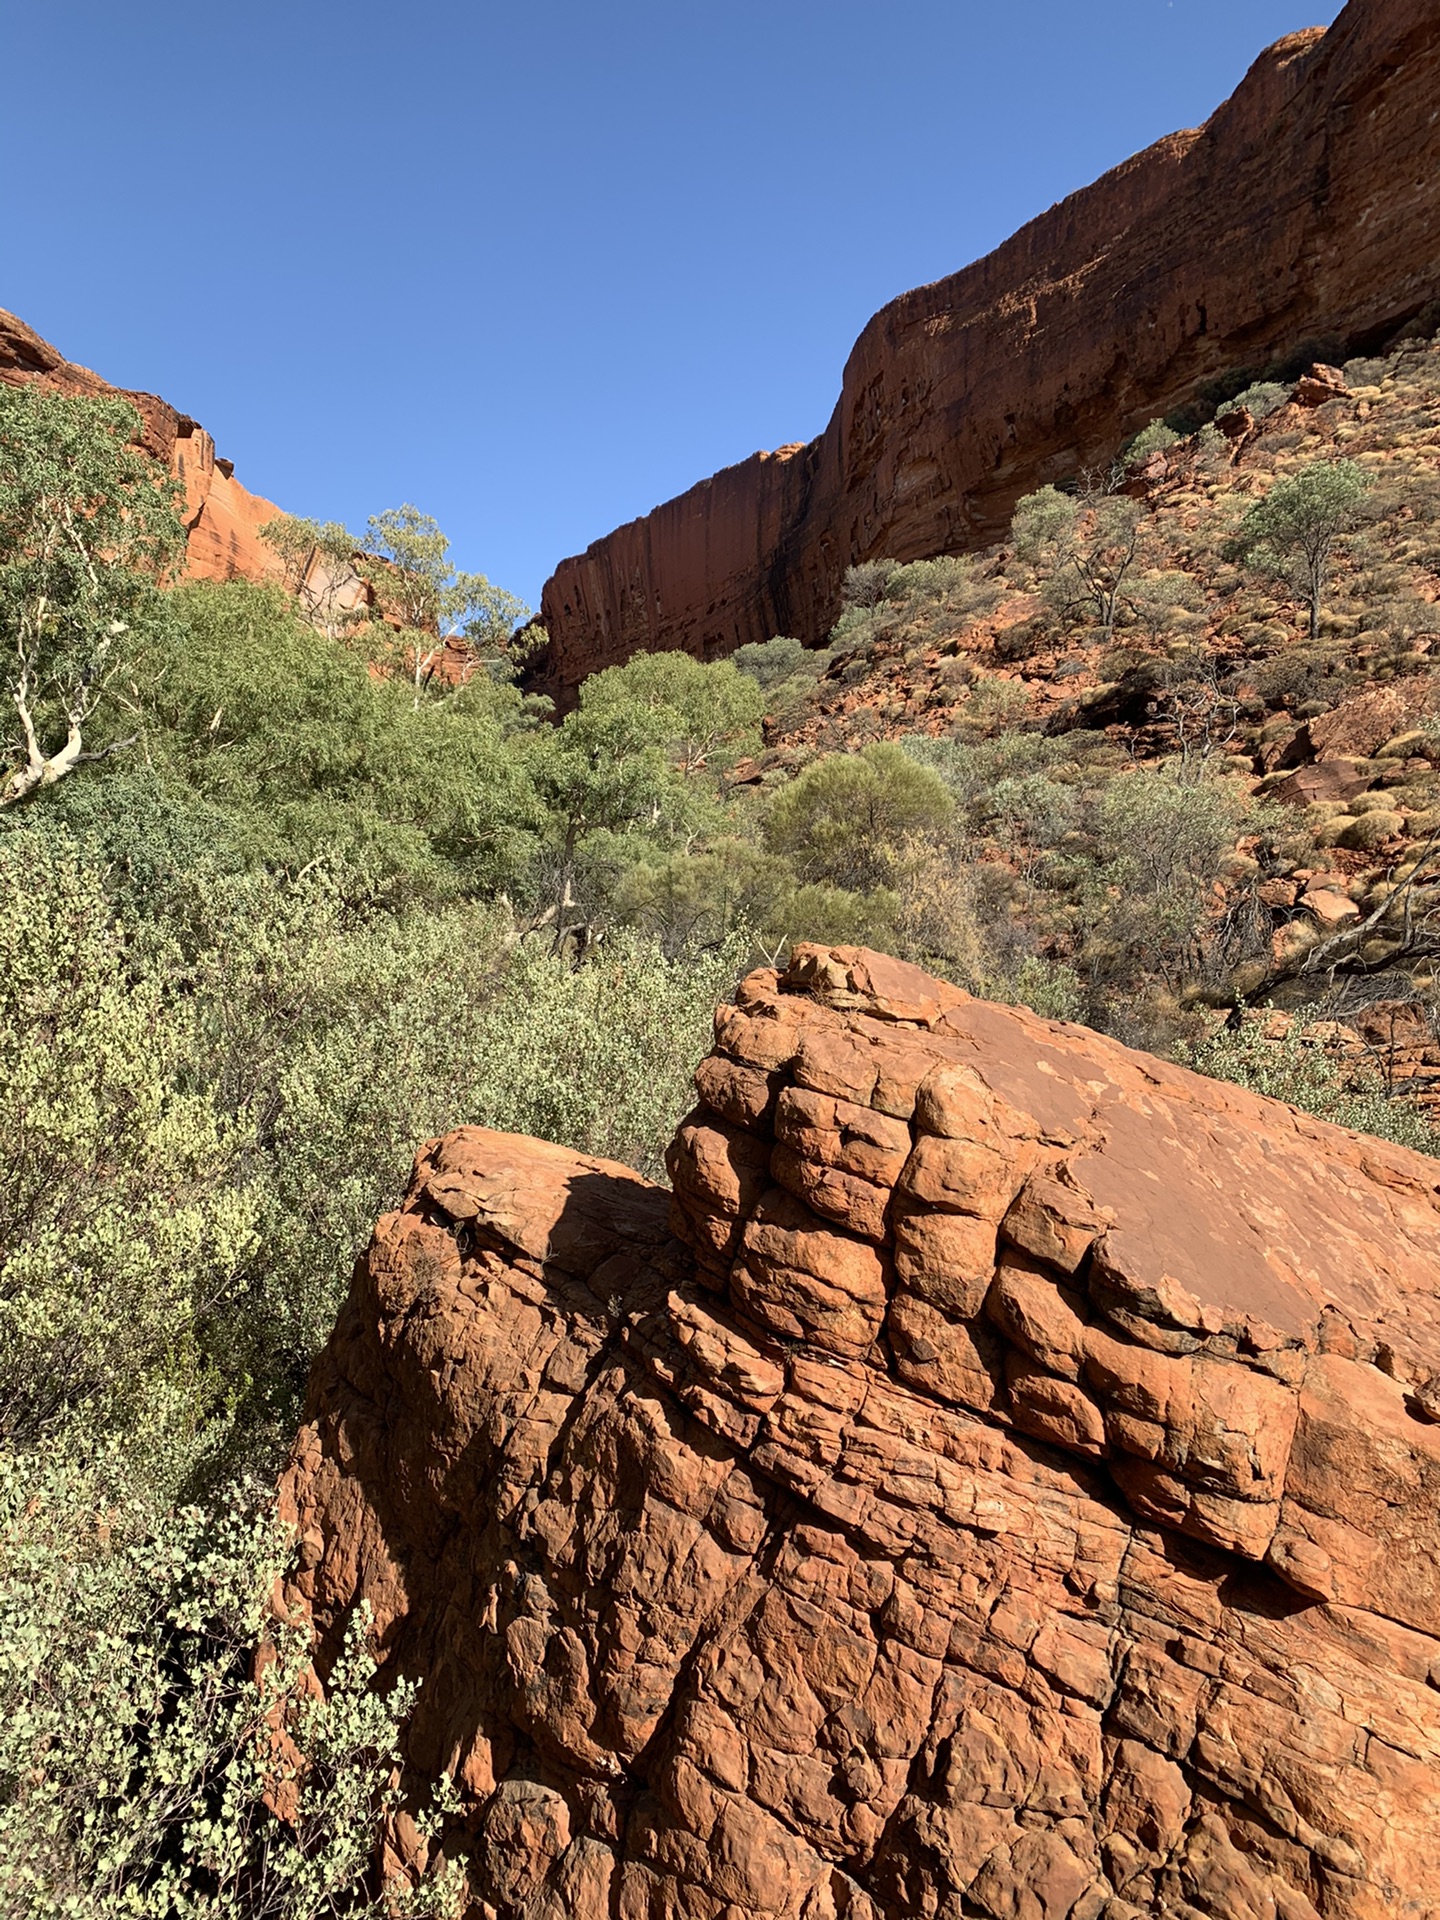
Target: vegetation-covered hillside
(279,899)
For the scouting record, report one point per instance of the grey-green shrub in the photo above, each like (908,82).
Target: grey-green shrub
(139,1764)
(771,661)
(1152,439)
(1302,1074)
(1262,399)
(127,1209)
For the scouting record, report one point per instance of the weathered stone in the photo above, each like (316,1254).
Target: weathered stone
(1072,1557)
(222,518)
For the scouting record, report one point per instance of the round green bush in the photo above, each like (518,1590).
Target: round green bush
(1370,830)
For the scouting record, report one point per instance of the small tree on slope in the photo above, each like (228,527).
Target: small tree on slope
(1292,533)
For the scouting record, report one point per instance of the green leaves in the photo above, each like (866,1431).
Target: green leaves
(702,715)
(1292,533)
(88,526)
(846,819)
(416,585)
(123,1211)
(144,1750)
(1084,547)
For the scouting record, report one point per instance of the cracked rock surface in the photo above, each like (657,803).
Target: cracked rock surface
(1000,1480)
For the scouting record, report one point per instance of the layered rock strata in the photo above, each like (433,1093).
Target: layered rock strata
(1307,206)
(999,1480)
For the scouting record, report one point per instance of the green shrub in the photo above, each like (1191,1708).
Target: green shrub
(864,585)
(1160,843)
(295,750)
(1262,399)
(139,1765)
(127,1213)
(1152,439)
(1300,1073)
(771,661)
(845,820)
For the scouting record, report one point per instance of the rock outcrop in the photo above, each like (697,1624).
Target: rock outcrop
(999,1481)
(1307,207)
(222,518)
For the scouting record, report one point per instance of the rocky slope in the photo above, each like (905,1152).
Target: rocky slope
(1329,748)
(1308,205)
(222,517)
(1000,1482)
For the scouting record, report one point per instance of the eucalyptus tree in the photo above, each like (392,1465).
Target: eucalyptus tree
(89,529)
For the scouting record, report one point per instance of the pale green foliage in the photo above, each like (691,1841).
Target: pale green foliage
(693,900)
(704,711)
(1043,524)
(864,585)
(972,769)
(845,821)
(1152,439)
(201,1123)
(318,562)
(598,1057)
(1084,549)
(948,578)
(415,583)
(994,706)
(125,1213)
(87,526)
(1298,1071)
(138,1747)
(1160,843)
(919,601)
(771,661)
(1159,599)
(1292,533)
(1047,987)
(298,542)
(1262,399)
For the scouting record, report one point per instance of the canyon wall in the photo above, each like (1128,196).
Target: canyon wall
(222,518)
(1307,207)
(1003,1479)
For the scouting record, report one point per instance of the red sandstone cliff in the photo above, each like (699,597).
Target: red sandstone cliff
(1308,205)
(222,517)
(1002,1482)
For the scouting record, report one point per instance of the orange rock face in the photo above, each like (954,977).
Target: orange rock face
(223,519)
(1308,206)
(998,1481)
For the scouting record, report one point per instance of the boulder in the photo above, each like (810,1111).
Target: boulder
(999,1479)
(1319,386)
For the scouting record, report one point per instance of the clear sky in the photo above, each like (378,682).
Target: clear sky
(538,266)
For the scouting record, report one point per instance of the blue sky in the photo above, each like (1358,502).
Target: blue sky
(538,267)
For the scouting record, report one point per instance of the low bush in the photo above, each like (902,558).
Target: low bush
(1300,1072)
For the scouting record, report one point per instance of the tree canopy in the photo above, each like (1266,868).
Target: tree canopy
(88,526)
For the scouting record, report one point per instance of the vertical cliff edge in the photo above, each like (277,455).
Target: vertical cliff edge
(1307,207)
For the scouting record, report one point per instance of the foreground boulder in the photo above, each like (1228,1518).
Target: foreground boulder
(999,1482)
